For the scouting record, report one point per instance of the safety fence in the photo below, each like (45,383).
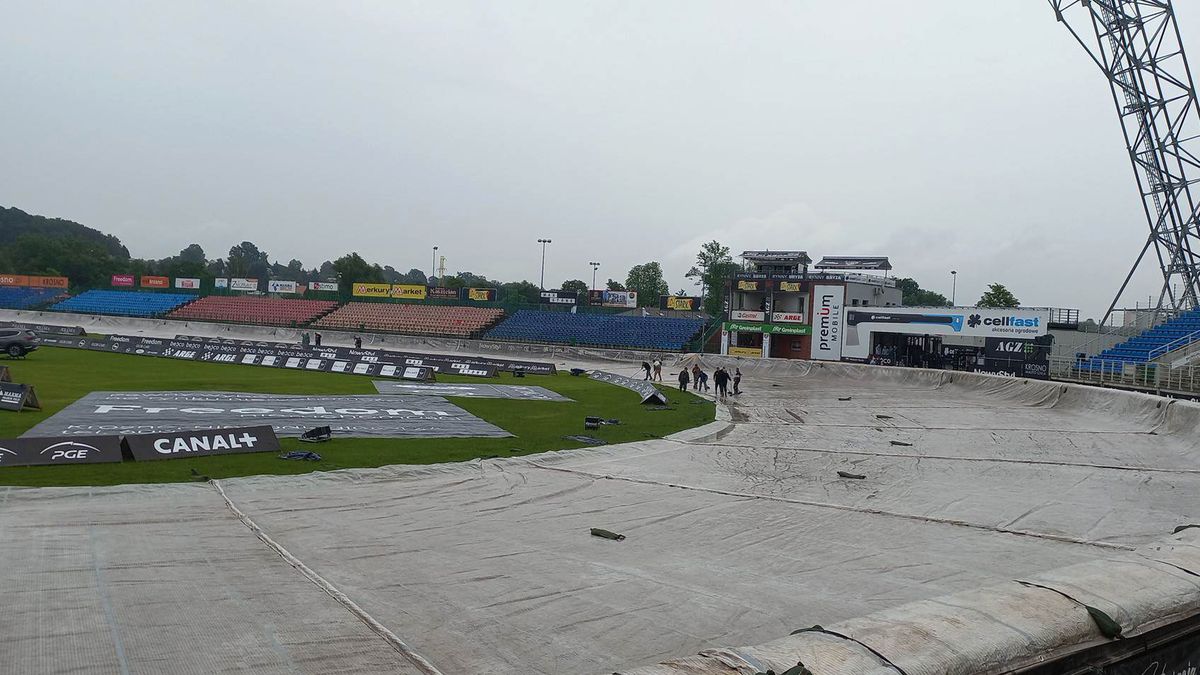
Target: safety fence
(1153,377)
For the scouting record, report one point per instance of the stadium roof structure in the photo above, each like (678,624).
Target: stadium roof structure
(786,257)
(930,521)
(833,262)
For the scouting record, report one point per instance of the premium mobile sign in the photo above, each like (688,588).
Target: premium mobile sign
(166,412)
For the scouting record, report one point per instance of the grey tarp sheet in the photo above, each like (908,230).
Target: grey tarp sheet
(737,534)
(509,391)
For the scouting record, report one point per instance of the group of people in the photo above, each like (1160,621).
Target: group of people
(697,378)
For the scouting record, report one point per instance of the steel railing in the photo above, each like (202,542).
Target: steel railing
(1154,377)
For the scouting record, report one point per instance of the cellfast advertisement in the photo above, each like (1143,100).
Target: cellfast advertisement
(862,323)
(827,305)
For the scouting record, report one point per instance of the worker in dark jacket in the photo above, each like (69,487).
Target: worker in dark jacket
(683,379)
(721,379)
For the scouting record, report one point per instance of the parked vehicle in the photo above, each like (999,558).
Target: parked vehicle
(17,342)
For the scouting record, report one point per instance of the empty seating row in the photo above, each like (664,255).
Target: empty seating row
(1148,345)
(19,297)
(413,319)
(601,330)
(254,310)
(123,303)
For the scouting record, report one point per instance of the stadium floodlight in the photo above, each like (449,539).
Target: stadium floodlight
(953,285)
(433,270)
(542,281)
(595,266)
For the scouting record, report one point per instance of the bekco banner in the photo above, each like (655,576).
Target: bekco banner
(275,286)
(233,441)
(481,294)
(187,283)
(324,286)
(408,291)
(362,290)
(156,282)
(243,284)
(122,280)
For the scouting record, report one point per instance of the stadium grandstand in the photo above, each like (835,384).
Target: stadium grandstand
(17,297)
(598,330)
(1150,344)
(381,317)
(123,303)
(254,310)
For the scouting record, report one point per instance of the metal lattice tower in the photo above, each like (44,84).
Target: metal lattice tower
(1138,47)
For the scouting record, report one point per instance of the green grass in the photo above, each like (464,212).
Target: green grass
(63,375)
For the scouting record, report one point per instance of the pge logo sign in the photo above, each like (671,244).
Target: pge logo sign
(69,451)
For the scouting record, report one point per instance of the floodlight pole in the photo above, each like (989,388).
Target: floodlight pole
(595,266)
(433,270)
(953,285)
(542,281)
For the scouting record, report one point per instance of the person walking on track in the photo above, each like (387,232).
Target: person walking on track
(683,380)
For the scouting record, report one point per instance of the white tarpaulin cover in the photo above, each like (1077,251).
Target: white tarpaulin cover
(736,534)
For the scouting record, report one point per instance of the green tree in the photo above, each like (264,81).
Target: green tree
(713,267)
(614,285)
(352,269)
(520,291)
(915,296)
(647,280)
(998,296)
(246,260)
(579,287)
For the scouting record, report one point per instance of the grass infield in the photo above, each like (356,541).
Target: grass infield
(63,375)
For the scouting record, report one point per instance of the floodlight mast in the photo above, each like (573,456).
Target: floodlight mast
(1138,47)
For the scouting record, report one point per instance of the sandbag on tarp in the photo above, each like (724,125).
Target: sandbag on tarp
(998,629)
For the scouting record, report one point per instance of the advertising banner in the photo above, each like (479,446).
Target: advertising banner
(231,441)
(861,324)
(788,317)
(122,280)
(647,390)
(324,286)
(34,281)
(176,412)
(745,285)
(276,286)
(596,297)
(481,294)
(789,286)
(363,290)
(827,303)
(626,299)
(238,284)
(442,293)
(747,315)
(680,303)
(408,291)
(559,297)
(221,282)
(767,328)
(42,451)
(156,282)
(44,329)
(756,352)
(18,397)
(187,283)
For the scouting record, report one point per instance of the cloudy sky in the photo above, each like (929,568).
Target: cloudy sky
(947,134)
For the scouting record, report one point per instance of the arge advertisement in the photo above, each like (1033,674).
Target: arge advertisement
(827,302)
(56,450)
(861,324)
(164,412)
(509,391)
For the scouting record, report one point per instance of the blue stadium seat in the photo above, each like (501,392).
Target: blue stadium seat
(123,303)
(19,297)
(1148,345)
(599,330)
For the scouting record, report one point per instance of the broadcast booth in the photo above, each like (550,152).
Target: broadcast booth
(776,307)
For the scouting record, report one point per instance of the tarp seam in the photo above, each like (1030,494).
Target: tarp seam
(392,639)
(840,507)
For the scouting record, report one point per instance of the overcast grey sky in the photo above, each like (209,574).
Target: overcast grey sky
(947,134)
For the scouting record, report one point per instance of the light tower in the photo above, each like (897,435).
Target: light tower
(1138,48)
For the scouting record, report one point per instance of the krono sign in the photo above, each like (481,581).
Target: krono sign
(32,280)
(156,282)
(232,441)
